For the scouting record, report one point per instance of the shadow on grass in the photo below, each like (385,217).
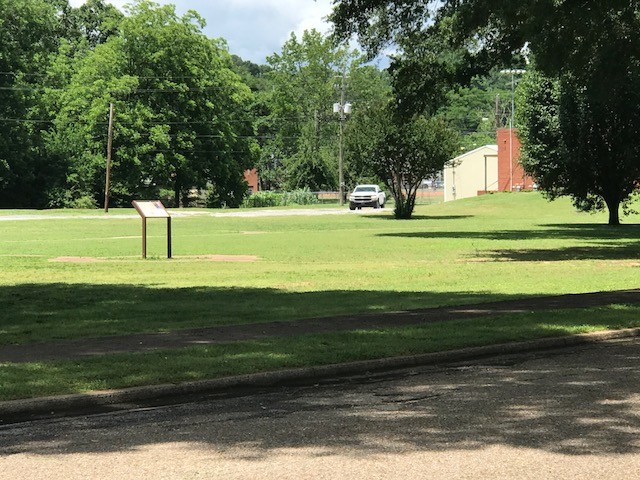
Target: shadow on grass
(559,232)
(47,312)
(608,243)
(630,251)
(572,406)
(422,217)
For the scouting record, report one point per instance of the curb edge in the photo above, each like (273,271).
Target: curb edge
(68,404)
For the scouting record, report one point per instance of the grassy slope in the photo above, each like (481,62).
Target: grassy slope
(498,246)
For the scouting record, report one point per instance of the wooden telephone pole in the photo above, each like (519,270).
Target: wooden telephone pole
(108,174)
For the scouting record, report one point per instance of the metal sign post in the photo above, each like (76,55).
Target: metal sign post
(152,209)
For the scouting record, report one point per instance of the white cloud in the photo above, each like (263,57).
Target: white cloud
(253,29)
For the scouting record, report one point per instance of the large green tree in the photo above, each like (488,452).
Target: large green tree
(593,46)
(304,77)
(28,34)
(181,112)
(369,92)
(403,151)
(563,130)
(93,22)
(308,76)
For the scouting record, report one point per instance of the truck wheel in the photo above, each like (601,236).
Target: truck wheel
(377,204)
(352,206)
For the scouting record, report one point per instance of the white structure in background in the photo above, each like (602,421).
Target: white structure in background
(471,174)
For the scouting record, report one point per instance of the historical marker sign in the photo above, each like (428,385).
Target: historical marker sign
(152,209)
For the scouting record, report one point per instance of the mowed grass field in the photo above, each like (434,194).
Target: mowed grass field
(80,274)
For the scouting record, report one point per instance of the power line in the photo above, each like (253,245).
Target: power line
(235,152)
(133,92)
(176,135)
(181,77)
(160,122)
(24,120)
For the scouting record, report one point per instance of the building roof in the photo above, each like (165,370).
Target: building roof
(475,150)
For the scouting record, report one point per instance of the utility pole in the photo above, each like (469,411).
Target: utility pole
(511,133)
(343,109)
(341,156)
(108,174)
(513,72)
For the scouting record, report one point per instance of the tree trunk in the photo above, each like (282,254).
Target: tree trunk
(403,209)
(176,194)
(613,205)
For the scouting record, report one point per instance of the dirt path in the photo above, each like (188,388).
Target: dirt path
(143,342)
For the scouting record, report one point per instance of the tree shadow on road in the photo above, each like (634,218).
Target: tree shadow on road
(579,401)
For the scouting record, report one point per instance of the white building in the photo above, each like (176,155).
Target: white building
(472,173)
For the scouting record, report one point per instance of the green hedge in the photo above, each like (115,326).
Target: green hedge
(277,199)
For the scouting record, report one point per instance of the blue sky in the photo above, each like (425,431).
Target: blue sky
(253,29)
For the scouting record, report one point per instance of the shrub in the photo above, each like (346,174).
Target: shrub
(275,199)
(84,202)
(300,197)
(62,198)
(263,199)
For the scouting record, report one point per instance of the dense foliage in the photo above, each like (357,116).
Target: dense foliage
(189,117)
(563,130)
(181,113)
(410,151)
(591,48)
(28,32)
(308,76)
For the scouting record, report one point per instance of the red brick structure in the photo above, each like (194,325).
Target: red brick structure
(511,176)
(251,177)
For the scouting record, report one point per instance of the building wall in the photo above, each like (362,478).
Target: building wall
(464,176)
(251,177)
(511,178)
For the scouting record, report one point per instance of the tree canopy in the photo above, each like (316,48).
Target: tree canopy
(575,146)
(563,35)
(403,151)
(188,115)
(28,29)
(591,48)
(181,117)
(307,77)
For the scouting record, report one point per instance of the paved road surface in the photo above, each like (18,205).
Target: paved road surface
(571,413)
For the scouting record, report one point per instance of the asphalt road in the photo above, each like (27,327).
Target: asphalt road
(569,413)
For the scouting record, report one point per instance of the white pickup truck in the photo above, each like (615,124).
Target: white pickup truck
(367,196)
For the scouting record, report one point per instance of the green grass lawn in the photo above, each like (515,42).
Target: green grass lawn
(493,247)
